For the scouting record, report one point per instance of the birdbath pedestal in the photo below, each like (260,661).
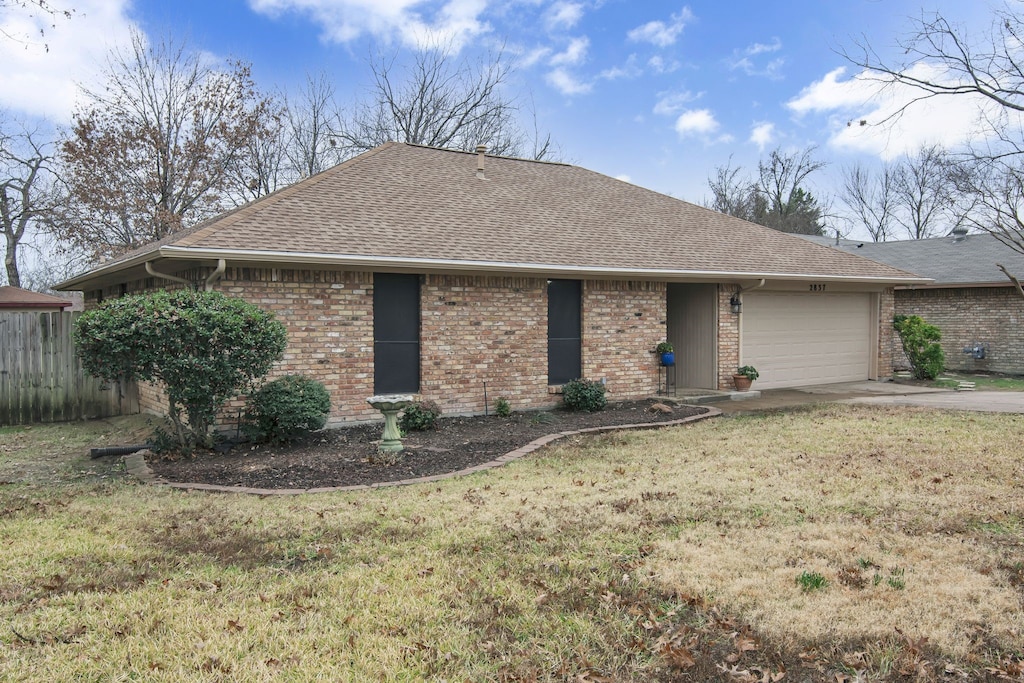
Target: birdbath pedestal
(390,405)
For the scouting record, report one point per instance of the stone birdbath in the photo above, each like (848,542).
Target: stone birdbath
(390,405)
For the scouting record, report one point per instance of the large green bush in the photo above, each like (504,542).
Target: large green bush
(584,394)
(288,407)
(203,347)
(921,344)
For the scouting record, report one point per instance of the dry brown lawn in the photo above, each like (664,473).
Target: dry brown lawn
(836,544)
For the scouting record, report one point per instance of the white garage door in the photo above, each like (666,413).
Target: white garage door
(797,339)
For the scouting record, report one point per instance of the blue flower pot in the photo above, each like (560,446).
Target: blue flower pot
(668,359)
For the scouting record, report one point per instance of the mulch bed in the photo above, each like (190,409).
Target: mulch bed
(346,456)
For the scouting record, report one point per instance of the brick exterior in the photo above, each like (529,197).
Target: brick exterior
(473,329)
(728,338)
(967,315)
(622,323)
(886,333)
(483,329)
(329,316)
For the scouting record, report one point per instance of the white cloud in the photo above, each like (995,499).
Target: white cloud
(696,122)
(575,53)
(453,22)
(533,56)
(624,178)
(744,60)
(863,114)
(662,33)
(659,65)
(35,82)
(762,134)
(563,15)
(566,83)
(759,48)
(670,103)
(627,70)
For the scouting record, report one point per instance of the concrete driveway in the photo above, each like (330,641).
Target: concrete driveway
(878,393)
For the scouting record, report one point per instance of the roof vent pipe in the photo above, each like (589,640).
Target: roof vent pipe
(959,233)
(481,153)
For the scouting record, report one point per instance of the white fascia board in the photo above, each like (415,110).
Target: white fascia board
(377,262)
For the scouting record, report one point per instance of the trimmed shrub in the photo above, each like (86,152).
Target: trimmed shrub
(287,408)
(420,416)
(921,344)
(502,408)
(203,347)
(585,395)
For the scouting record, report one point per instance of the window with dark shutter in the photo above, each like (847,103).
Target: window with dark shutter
(396,333)
(564,330)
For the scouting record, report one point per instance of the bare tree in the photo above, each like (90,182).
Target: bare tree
(733,193)
(36,9)
(26,193)
(989,67)
(261,164)
(314,125)
(789,207)
(925,194)
(777,199)
(870,198)
(153,150)
(441,101)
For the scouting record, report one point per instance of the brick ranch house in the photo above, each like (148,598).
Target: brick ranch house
(969,299)
(410,269)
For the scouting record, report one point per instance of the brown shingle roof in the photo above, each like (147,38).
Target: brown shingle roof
(402,201)
(16,297)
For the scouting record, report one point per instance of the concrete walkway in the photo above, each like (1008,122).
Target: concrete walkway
(878,393)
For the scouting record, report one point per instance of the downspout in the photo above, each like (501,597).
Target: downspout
(217,274)
(165,276)
(738,299)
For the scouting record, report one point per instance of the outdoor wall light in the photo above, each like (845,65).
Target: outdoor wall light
(736,304)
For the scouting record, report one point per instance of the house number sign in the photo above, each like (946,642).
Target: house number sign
(818,287)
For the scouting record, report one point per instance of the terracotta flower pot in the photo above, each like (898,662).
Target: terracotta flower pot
(742,382)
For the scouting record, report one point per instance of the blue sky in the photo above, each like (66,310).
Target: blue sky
(658,93)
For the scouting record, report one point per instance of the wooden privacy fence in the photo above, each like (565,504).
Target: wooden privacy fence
(41,378)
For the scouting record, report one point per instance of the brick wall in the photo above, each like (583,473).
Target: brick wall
(329,316)
(728,339)
(967,315)
(886,333)
(474,329)
(622,323)
(483,329)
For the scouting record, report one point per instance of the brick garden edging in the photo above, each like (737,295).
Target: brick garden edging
(137,467)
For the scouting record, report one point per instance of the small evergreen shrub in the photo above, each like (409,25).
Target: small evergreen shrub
(502,408)
(584,395)
(921,344)
(420,416)
(288,407)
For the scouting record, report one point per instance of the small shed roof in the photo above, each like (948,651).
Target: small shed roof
(16,297)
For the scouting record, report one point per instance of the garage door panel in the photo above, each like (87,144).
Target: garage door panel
(796,338)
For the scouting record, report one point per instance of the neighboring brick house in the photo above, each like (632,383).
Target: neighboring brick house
(969,299)
(413,269)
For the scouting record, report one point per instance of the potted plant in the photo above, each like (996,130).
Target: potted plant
(744,376)
(668,356)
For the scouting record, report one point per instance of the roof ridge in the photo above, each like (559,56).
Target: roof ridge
(490,156)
